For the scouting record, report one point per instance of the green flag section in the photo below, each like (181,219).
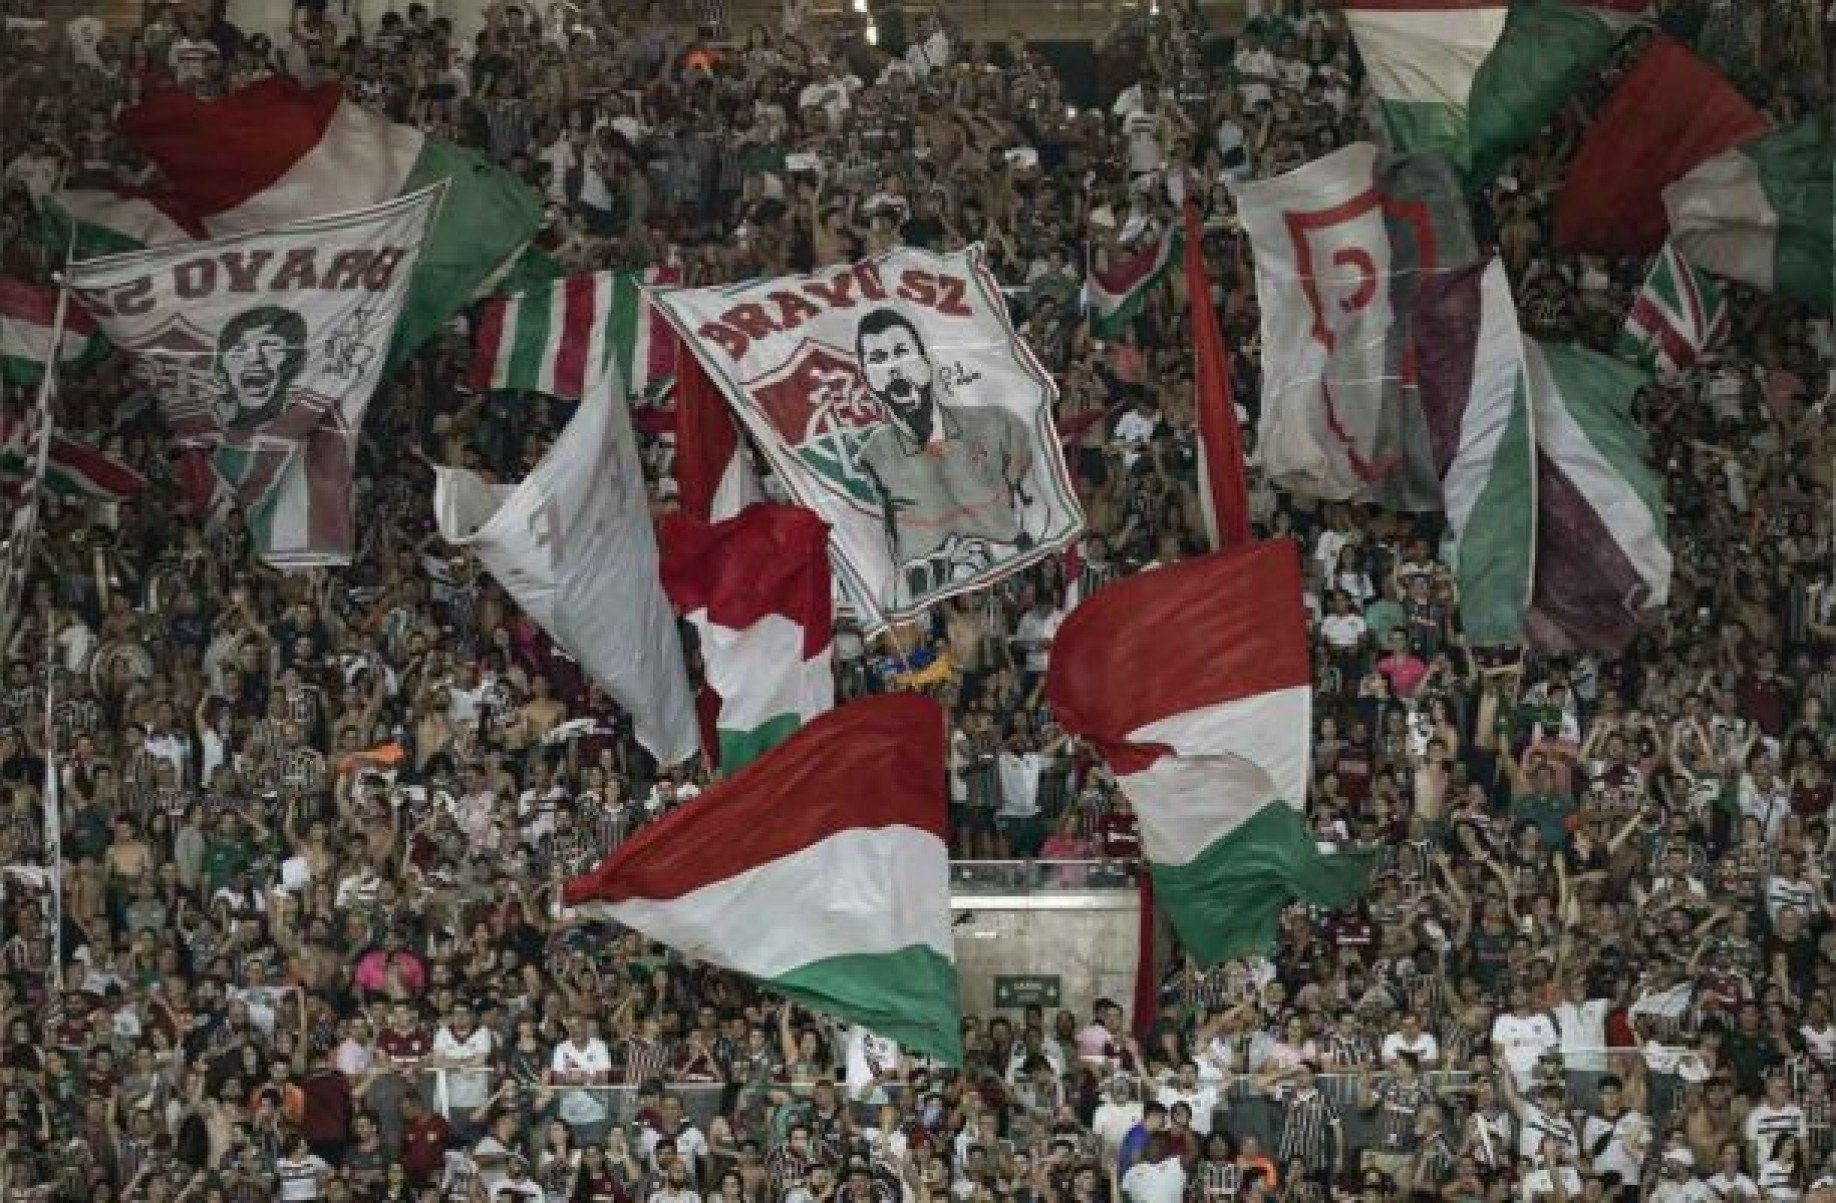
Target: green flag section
(1678,316)
(275,153)
(1763,213)
(1424,57)
(28,330)
(757,590)
(1469,360)
(1193,681)
(1117,292)
(821,870)
(1548,50)
(1602,563)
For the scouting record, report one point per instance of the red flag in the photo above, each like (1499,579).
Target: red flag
(1670,113)
(1223,496)
(706,440)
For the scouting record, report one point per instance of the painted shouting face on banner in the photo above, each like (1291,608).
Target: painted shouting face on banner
(952,482)
(259,355)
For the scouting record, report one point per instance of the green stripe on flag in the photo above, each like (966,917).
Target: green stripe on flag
(1797,170)
(1598,392)
(1549,49)
(909,996)
(526,339)
(628,310)
(739,748)
(1495,554)
(1228,902)
(1425,125)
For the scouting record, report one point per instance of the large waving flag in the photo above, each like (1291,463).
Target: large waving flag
(1761,213)
(573,545)
(757,590)
(549,339)
(265,349)
(1223,493)
(274,153)
(27,316)
(1475,394)
(1602,564)
(1550,48)
(1670,114)
(1680,314)
(74,467)
(1340,246)
(1194,682)
(1424,57)
(821,871)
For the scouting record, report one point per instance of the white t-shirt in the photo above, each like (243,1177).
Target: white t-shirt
(1343,632)
(1036,628)
(300,1180)
(1426,1048)
(1766,1123)
(466,1088)
(1539,1184)
(1155,1182)
(1523,1039)
(1584,1038)
(1630,1137)
(1203,1102)
(582,1106)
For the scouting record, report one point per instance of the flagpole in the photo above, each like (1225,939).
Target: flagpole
(54,824)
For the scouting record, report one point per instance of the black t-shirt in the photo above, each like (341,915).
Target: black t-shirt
(926,232)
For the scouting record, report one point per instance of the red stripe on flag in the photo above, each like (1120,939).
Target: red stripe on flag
(329,525)
(490,348)
(38,305)
(579,310)
(665,348)
(1225,492)
(872,764)
(1671,341)
(706,440)
(221,152)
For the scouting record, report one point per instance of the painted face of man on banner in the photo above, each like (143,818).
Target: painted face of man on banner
(952,481)
(259,355)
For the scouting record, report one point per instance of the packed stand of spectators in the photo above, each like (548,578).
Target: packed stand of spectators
(313,825)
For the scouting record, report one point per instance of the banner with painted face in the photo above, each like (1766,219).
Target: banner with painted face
(265,348)
(893,397)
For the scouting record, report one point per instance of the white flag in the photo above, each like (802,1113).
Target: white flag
(573,544)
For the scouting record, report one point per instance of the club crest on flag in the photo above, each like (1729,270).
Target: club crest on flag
(821,407)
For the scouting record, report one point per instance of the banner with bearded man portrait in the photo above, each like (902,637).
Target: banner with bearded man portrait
(264,350)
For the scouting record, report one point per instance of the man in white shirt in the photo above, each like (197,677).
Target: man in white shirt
(1410,1038)
(674,1128)
(1582,1023)
(582,1060)
(1115,1117)
(930,50)
(1774,1117)
(1158,1177)
(1616,1138)
(1200,1098)
(1254,67)
(462,1052)
(1521,1036)
(1678,1182)
(1033,639)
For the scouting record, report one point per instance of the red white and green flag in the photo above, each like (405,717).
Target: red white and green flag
(821,871)
(1679,315)
(73,468)
(756,588)
(275,153)
(1117,291)
(1194,681)
(1423,57)
(1760,213)
(553,337)
(28,325)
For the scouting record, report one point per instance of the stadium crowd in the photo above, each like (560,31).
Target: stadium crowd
(1598,961)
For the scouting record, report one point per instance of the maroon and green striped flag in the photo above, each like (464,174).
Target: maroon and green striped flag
(551,339)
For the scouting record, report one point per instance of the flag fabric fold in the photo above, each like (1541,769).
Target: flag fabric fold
(74,468)
(274,152)
(821,870)
(574,547)
(756,589)
(1678,316)
(1602,563)
(1668,115)
(1761,213)
(1475,395)
(1424,58)
(27,323)
(714,479)
(1116,293)
(1194,682)
(1548,50)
